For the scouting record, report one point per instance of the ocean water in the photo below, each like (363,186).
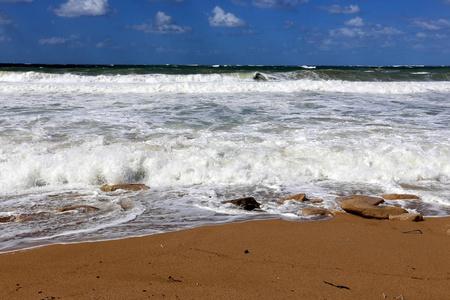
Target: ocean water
(199,135)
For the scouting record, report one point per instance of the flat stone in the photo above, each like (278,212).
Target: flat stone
(367,199)
(406,217)
(247,203)
(400,197)
(361,208)
(298,197)
(315,201)
(84,208)
(7,219)
(315,211)
(128,187)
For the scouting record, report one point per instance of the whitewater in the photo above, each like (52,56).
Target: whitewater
(199,135)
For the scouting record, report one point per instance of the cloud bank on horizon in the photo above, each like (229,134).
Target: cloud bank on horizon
(270,32)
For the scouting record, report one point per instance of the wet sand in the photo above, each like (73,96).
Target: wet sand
(346,257)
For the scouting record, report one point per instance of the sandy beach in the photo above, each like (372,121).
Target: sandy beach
(346,257)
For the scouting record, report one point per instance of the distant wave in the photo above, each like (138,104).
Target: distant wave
(289,82)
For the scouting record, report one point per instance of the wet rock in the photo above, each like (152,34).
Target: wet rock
(259,77)
(315,201)
(406,217)
(84,208)
(362,208)
(298,197)
(7,219)
(400,197)
(315,211)
(128,187)
(247,203)
(366,199)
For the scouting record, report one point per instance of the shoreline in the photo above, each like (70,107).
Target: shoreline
(345,257)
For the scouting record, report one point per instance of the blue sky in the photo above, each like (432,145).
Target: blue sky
(261,32)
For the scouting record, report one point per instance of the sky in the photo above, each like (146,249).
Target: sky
(230,32)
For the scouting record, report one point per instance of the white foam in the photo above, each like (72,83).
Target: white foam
(12,82)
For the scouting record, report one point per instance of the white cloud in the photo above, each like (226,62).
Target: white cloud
(356,22)
(421,35)
(78,8)
(162,24)
(347,32)
(288,25)
(4,38)
(4,20)
(53,41)
(222,19)
(433,25)
(59,40)
(374,31)
(341,10)
(278,3)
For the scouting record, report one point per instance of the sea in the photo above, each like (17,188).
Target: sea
(199,135)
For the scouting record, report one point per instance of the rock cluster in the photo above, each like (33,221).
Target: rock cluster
(365,206)
(368,207)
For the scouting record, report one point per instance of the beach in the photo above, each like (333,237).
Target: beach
(197,140)
(345,257)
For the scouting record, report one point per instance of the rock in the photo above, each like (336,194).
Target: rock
(400,197)
(315,201)
(84,208)
(335,211)
(315,211)
(247,203)
(367,199)
(406,217)
(7,219)
(259,77)
(362,208)
(128,187)
(298,197)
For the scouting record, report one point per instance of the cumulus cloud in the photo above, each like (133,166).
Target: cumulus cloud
(340,10)
(222,19)
(78,8)
(433,25)
(278,3)
(162,24)
(356,22)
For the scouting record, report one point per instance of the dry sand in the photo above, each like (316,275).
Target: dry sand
(347,257)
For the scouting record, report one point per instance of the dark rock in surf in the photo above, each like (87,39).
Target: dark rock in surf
(128,187)
(298,197)
(7,219)
(247,203)
(259,77)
